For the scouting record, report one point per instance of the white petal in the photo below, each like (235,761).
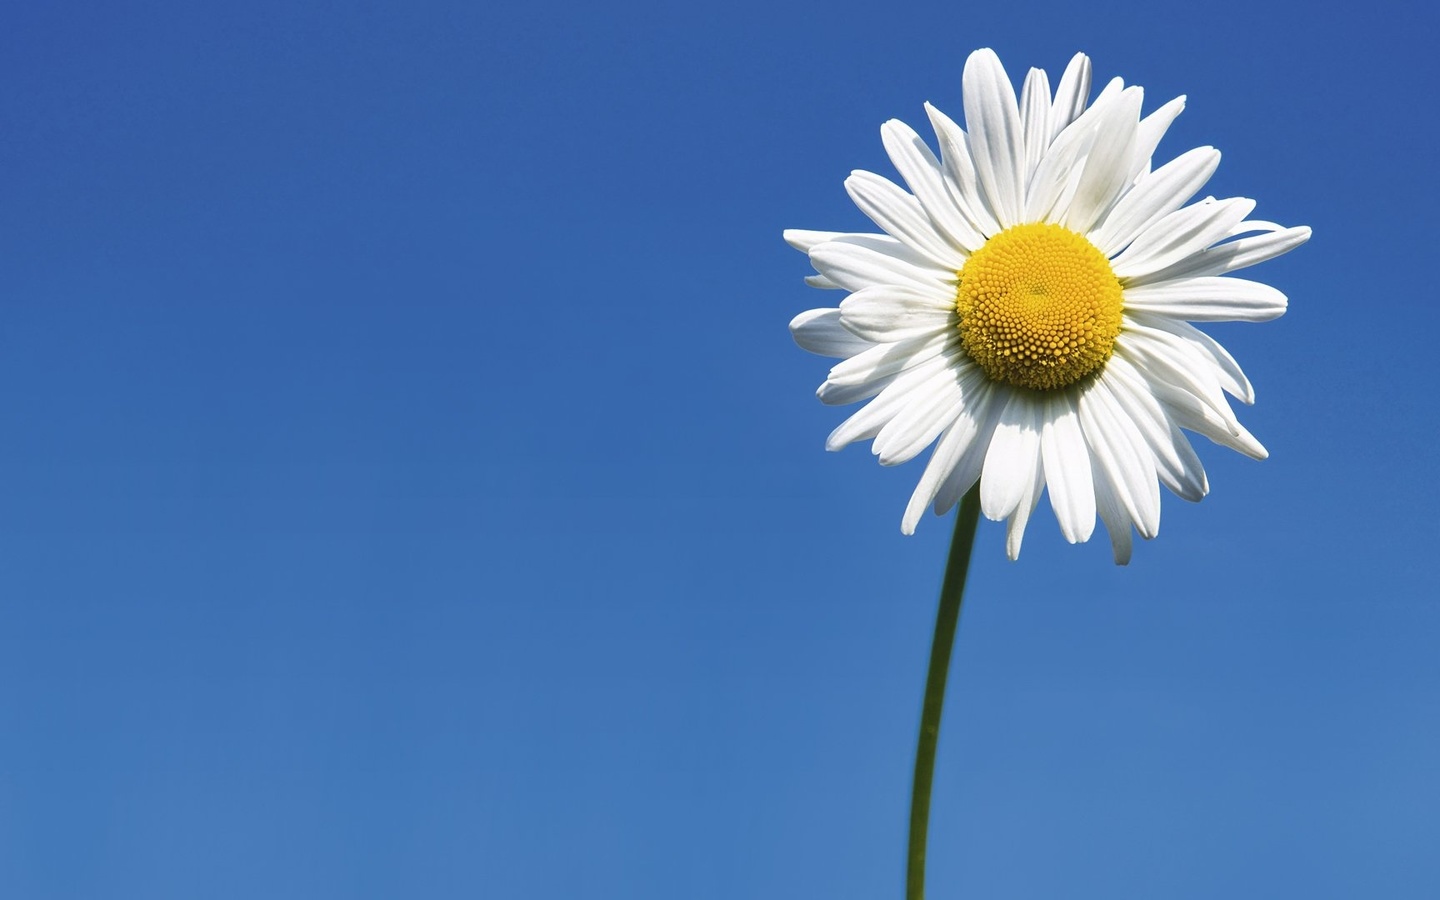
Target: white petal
(1180,235)
(971,429)
(888,403)
(1010,462)
(1117,522)
(845,394)
(1057,178)
(1111,89)
(1107,166)
(804,240)
(1176,462)
(1188,393)
(967,470)
(884,243)
(1174,361)
(901,216)
(1232,377)
(922,172)
(929,412)
(1015,526)
(1255,225)
(1035,119)
(1152,129)
(1067,468)
(1189,413)
(1155,196)
(996,141)
(1058,175)
(886,313)
(1121,455)
(1212,299)
(855,267)
(1231,256)
(961,180)
(820,332)
(1070,94)
(882,361)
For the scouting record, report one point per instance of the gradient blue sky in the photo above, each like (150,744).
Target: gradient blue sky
(409,487)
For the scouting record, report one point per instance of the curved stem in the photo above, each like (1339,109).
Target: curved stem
(951,592)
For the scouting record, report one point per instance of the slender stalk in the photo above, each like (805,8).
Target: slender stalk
(951,592)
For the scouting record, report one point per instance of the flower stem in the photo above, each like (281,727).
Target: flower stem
(951,591)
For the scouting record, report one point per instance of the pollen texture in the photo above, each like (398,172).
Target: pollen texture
(1039,307)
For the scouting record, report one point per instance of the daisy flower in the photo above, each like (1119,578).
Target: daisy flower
(1027,307)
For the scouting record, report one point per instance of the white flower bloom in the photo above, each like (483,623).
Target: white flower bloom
(1027,308)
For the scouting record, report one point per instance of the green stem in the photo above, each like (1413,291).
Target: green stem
(951,591)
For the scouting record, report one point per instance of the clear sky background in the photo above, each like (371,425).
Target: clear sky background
(409,487)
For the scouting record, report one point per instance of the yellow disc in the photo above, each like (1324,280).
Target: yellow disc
(1039,307)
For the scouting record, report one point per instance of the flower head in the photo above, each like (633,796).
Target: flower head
(1027,308)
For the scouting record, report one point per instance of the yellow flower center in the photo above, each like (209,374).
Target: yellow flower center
(1039,307)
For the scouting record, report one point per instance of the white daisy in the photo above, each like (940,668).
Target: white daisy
(1027,308)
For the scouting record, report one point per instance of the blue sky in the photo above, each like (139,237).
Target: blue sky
(409,486)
